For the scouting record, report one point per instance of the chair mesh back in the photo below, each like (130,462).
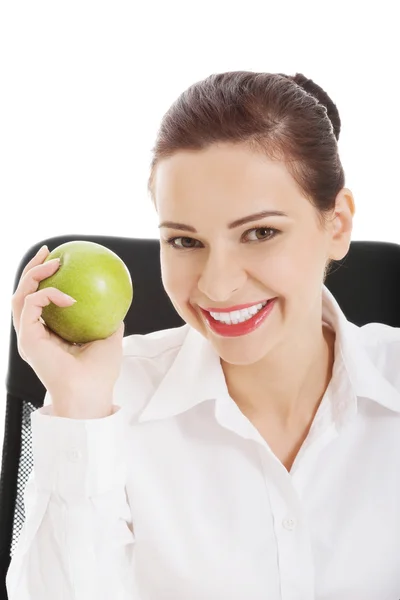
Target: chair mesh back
(24,470)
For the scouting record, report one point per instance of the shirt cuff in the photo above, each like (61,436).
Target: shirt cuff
(77,459)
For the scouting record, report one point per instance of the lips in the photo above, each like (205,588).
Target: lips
(239,329)
(238,307)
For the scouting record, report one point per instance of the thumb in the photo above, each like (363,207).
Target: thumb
(101,348)
(117,335)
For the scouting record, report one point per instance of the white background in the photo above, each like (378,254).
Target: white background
(84,84)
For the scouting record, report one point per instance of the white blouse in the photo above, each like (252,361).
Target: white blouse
(176,496)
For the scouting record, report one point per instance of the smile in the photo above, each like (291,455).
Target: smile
(238,322)
(238,316)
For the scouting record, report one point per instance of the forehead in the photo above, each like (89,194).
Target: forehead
(225,175)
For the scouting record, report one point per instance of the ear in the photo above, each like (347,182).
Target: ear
(342,224)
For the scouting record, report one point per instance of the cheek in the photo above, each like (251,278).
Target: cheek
(176,278)
(290,269)
(308,274)
(179,283)
(281,272)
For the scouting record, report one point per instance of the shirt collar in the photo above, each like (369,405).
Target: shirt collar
(351,355)
(196,374)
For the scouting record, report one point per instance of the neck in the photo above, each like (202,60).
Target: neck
(289,383)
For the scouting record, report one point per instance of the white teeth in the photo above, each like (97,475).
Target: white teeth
(238,316)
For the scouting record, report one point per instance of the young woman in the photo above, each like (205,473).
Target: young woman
(253,453)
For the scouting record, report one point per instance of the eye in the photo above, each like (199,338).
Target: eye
(182,243)
(260,234)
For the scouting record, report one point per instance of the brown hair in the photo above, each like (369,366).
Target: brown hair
(289,118)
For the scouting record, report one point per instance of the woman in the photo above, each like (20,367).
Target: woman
(254,452)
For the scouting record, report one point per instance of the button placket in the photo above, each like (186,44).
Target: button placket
(289,523)
(74,455)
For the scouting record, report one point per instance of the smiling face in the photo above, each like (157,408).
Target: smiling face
(237,231)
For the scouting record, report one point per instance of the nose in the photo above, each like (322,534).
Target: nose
(221,276)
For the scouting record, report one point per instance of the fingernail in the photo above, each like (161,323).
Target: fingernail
(42,248)
(52,261)
(69,298)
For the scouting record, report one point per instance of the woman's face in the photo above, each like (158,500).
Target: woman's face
(221,249)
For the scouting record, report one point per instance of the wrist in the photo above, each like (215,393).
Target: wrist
(72,409)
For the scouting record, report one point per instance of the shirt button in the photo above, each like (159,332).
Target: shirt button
(74,455)
(289,524)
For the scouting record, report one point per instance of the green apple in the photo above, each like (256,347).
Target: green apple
(100,283)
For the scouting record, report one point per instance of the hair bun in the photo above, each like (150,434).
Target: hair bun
(315,90)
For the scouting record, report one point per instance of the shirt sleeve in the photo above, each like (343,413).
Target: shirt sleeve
(77,542)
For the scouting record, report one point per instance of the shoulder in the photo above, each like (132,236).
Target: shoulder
(146,360)
(382,344)
(379,337)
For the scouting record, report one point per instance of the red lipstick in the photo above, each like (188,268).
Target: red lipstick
(240,328)
(232,308)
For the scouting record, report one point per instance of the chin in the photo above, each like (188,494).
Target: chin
(237,351)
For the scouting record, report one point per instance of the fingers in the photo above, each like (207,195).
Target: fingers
(30,281)
(106,350)
(31,329)
(29,284)
(120,331)
(114,338)
(39,257)
(103,345)
(34,303)
(118,335)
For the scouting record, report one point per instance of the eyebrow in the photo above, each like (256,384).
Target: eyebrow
(255,217)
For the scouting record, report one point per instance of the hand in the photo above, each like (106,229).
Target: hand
(79,378)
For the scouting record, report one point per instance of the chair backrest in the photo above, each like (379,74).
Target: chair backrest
(365,284)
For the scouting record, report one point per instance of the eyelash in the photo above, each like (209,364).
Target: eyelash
(171,241)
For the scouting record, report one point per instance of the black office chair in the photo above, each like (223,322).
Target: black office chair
(365,283)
